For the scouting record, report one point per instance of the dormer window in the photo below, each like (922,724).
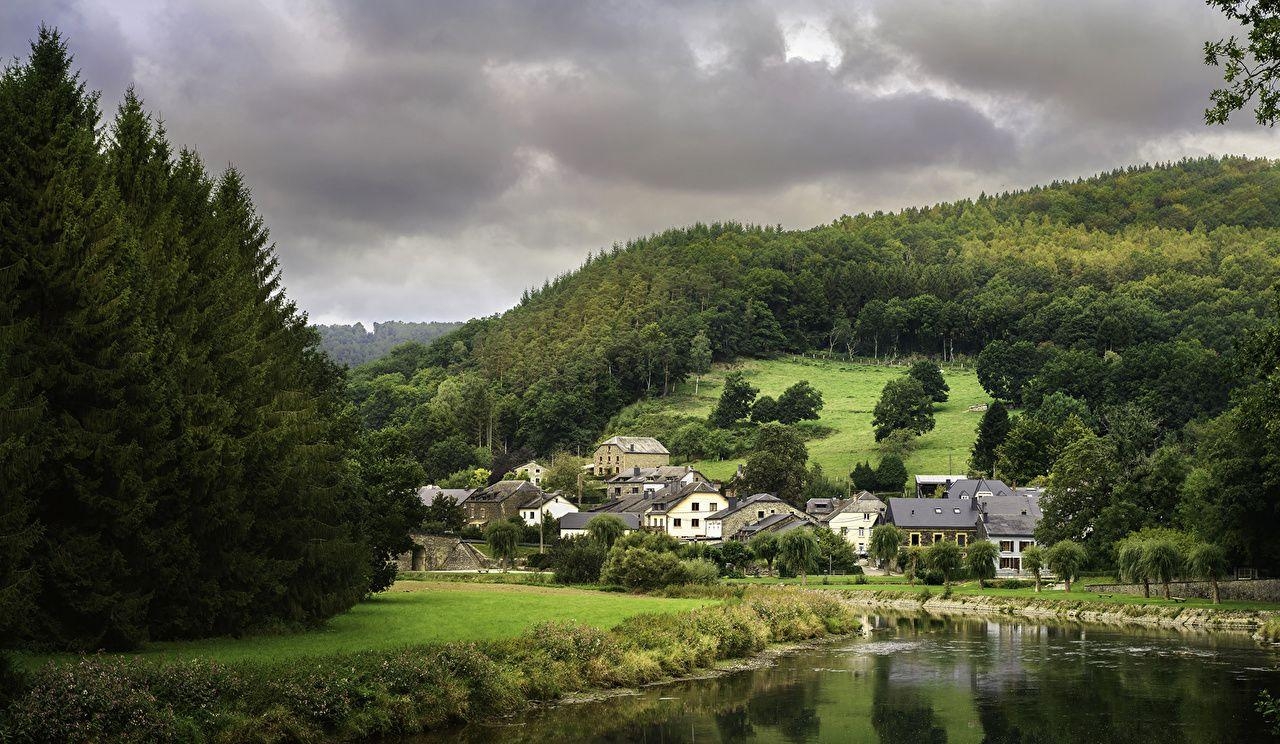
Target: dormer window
(956,510)
(938,510)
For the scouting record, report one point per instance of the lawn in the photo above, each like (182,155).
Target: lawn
(414,612)
(849,392)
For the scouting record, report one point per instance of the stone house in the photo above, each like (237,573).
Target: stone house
(726,523)
(618,454)
(818,508)
(499,501)
(926,521)
(777,523)
(855,518)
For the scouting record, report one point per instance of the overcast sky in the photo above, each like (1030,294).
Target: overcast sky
(428,161)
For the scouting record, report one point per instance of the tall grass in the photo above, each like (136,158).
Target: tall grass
(404,691)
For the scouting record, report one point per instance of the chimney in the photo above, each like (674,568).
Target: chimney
(733,501)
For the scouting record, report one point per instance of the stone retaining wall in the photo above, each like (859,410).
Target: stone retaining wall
(438,553)
(1257,590)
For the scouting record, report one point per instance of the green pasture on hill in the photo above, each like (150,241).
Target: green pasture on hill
(849,393)
(416,612)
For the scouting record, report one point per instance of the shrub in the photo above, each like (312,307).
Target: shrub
(638,568)
(700,571)
(1014,584)
(577,560)
(860,578)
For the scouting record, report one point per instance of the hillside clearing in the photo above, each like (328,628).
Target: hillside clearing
(849,392)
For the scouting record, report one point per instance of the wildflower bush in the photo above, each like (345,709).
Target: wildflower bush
(401,692)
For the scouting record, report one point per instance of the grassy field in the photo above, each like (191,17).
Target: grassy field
(849,392)
(414,612)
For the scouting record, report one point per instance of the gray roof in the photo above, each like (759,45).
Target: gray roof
(743,503)
(503,490)
(933,513)
(1015,525)
(539,499)
(652,475)
(637,445)
(579,520)
(864,502)
(429,494)
(780,522)
(663,500)
(969,488)
(1010,504)
(820,506)
(638,504)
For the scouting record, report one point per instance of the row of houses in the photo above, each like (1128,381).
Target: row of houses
(645,491)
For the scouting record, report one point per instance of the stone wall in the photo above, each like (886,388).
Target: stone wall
(440,553)
(1257,590)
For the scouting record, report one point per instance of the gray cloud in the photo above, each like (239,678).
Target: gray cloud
(428,161)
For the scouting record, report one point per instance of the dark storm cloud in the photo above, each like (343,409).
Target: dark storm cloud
(429,160)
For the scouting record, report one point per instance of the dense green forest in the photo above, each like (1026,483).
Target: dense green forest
(352,345)
(1119,300)
(177,457)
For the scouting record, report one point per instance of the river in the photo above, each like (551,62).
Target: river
(922,680)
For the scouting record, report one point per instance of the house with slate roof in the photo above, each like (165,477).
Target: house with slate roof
(499,501)
(854,519)
(1009,520)
(640,480)
(428,494)
(681,509)
(777,523)
(575,524)
(618,454)
(926,521)
(725,524)
(554,503)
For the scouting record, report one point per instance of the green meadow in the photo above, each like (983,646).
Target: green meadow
(419,612)
(849,393)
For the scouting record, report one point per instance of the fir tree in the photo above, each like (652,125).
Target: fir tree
(993,429)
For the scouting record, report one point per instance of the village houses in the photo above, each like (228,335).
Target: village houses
(640,480)
(532,471)
(729,521)
(555,504)
(855,518)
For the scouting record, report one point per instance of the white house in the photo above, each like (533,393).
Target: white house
(548,503)
(682,510)
(1009,520)
(854,519)
(533,471)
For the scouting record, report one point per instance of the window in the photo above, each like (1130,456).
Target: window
(937,536)
(694,506)
(1025,544)
(937,510)
(675,522)
(1006,546)
(962,539)
(915,538)
(694,522)
(866,516)
(1014,564)
(760,514)
(862,532)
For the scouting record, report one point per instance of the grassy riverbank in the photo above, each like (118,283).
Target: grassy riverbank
(1078,592)
(418,612)
(397,692)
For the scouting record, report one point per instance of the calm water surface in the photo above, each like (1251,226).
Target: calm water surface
(926,680)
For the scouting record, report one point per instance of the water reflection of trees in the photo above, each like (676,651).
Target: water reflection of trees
(952,681)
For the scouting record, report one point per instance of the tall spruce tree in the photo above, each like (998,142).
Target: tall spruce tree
(993,429)
(88,349)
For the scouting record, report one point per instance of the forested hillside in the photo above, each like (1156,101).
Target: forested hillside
(352,345)
(1132,288)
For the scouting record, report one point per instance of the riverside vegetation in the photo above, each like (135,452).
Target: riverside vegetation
(405,690)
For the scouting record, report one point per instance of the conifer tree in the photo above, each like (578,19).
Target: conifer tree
(993,429)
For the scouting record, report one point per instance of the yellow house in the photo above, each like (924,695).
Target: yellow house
(617,454)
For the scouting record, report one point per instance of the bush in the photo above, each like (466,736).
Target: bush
(860,578)
(577,560)
(638,568)
(1013,584)
(700,571)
